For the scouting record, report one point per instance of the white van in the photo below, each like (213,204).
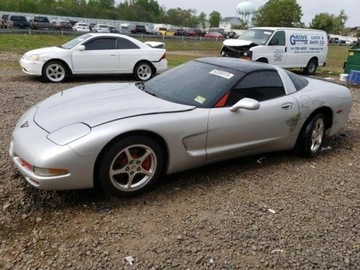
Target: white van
(284,47)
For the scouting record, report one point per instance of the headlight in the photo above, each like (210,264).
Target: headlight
(69,133)
(32,57)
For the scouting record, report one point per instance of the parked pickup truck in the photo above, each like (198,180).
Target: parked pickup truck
(40,22)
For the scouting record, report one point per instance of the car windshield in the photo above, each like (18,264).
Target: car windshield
(258,36)
(194,83)
(72,43)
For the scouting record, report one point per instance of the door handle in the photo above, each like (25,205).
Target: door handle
(287,106)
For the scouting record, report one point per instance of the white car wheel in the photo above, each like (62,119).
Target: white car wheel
(54,72)
(143,71)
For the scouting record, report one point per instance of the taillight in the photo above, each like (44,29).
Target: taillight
(163,57)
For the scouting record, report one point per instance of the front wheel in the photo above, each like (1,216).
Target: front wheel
(143,71)
(130,166)
(55,72)
(312,136)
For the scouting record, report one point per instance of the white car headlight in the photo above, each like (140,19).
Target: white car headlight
(69,133)
(32,57)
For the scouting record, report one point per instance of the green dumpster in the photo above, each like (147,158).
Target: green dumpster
(353,61)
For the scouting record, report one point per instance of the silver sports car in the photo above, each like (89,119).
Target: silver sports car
(123,136)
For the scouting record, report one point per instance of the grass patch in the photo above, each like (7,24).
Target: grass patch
(176,60)
(21,43)
(336,57)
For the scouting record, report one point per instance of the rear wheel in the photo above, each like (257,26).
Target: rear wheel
(130,166)
(143,71)
(312,136)
(54,71)
(311,67)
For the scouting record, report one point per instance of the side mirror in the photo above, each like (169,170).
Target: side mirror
(80,48)
(245,103)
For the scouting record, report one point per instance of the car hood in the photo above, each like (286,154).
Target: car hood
(237,42)
(96,104)
(45,50)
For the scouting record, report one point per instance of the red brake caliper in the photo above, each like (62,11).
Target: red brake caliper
(146,163)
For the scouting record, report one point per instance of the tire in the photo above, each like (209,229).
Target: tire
(143,71)
(130,166)
(55,72)
(311,67)
(312,136)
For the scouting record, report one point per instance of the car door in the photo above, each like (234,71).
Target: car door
(129,54)
(100,56)
(243,132)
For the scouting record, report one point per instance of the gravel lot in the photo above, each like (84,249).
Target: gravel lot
(276,210)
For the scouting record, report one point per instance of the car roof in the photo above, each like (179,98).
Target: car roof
(107,35)
(236,64)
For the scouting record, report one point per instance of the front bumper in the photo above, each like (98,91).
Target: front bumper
(31,67)
(30,144)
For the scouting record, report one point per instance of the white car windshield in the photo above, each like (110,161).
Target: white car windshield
(72,43)
(258,36)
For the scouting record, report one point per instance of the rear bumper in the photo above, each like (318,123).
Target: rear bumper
(161,66)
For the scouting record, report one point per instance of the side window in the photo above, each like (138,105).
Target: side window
(278,39)
(101,44)
(259,85)
(123,43)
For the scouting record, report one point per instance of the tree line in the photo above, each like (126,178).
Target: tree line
(276,13)
(127,10)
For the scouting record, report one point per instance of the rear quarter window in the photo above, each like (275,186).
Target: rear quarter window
(298,81)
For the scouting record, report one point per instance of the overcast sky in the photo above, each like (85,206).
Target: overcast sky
(309,7)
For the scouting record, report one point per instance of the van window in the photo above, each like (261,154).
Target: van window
(260,85)
(278,39)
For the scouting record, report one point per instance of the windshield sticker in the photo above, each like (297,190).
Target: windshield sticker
(222,73)
(267,33)
(200,99)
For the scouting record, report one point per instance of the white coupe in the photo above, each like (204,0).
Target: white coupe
(96,53)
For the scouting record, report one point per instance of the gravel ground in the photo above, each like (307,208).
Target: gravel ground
(276,210)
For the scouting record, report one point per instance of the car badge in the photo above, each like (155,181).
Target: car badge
(25,125)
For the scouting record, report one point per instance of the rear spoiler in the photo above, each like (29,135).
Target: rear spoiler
(156,44)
